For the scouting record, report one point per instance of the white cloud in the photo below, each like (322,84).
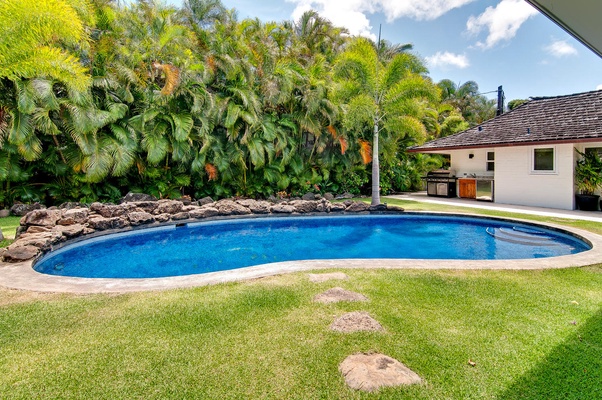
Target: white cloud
(599,87)
(444,59)
(560,48)
(420,10)
(501,22)
(353,14)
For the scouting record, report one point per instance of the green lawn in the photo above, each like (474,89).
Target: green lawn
(9,227)
(532,335)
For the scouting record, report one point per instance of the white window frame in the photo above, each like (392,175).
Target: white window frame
(553,171)
(489,163)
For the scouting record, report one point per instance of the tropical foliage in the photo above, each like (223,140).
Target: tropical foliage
(102,97)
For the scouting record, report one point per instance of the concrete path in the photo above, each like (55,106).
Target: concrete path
(595,216)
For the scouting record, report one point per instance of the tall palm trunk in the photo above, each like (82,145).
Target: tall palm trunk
(375,167)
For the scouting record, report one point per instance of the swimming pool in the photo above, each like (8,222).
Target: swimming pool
(222,245)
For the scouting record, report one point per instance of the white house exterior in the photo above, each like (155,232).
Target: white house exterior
(529,152)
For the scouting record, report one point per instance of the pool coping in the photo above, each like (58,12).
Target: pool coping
(22,275)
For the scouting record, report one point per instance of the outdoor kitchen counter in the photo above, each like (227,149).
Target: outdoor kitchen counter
(480,188)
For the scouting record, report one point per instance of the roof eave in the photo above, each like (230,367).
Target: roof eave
(557,20)
(493,145)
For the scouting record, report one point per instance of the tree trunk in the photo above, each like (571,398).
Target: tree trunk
(375,167)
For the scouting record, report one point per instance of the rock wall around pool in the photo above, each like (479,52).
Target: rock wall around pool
(42,229)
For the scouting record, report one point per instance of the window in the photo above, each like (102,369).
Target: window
(490,161)
(597,150)
(543,160)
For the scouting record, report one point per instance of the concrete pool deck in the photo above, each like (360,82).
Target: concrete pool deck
(22,275)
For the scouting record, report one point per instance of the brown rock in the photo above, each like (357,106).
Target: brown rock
(20,230)
(354,322)
(111,210)
(38,229)
(140,218)
(96,206)
(304,206)
(282,209)
(339,294)
(162,217)
(20,209)
(205,200)
(148,206)
(370,372)
(74,216)
(43,217)
(337,207)
(72,204)
(379,207)
(17,252)
(323,206)
(41,240)
(71,231)
(100,223)
(358,206)
(256,206)
(168,206)
(394,208)
(229,207)
(204,212)
(180,216)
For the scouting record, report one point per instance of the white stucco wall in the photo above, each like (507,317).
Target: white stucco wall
(516,183)
(463,164)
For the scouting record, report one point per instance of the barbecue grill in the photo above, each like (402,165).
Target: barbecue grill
(441,183)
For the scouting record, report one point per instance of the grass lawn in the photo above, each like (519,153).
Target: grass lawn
(532,335)
(9,227)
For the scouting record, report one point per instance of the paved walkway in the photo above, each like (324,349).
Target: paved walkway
(595,216)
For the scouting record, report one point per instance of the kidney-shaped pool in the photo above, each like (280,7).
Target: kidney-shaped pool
(221,245)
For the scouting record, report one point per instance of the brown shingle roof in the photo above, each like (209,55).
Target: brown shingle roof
(571,118)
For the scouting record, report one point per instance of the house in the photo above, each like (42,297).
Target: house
(528,154)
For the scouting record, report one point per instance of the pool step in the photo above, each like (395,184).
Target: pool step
(524,236)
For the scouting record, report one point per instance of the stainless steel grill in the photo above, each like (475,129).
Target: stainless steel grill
(441,183)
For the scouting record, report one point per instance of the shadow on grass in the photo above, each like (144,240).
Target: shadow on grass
(573,370)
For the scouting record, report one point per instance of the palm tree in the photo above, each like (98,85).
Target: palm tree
(317,35)
(34,64)
(474,107)
(383,96)
(32,35)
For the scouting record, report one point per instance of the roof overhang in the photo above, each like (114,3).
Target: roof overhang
(443,150)
(580,18)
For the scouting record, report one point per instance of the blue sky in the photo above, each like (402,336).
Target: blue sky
(493,42)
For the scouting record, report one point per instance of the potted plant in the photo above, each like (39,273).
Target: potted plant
(588,179)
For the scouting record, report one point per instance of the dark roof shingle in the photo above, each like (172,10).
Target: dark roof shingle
(570,118)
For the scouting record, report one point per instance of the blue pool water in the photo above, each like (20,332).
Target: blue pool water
(228,244)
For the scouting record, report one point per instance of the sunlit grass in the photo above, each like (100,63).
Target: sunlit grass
(531,334)
(9,228)
(267,339)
